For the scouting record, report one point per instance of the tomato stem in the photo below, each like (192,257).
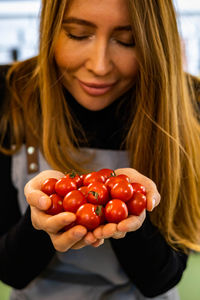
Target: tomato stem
(72,174)
(113,174)
(95,194)
(98,210)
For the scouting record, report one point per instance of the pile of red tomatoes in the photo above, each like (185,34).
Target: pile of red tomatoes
(96,198)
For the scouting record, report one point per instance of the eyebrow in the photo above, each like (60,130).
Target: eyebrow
(74,20)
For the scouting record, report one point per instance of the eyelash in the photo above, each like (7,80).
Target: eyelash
(81,38)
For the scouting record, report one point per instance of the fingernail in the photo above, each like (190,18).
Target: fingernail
(43,202)
(89,242)
(153,203)
(101,243)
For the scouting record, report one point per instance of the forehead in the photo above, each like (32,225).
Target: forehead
(100,10)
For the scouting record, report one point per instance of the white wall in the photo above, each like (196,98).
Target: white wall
(187,5)
(19,25)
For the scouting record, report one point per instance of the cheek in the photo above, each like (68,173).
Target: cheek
(65,55)
(129,66)
(62,56)
(69,59)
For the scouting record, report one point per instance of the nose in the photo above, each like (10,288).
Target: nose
(99,61)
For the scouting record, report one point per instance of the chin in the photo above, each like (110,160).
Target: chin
(95,106)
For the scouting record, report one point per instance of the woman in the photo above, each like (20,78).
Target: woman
(107,89)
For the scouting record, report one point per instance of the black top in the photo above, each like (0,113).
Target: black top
(151,264)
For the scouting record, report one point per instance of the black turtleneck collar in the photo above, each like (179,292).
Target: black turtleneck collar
(106,128)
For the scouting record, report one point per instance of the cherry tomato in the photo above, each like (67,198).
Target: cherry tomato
(84,190)
(111,181)
(56,205)
(48,186)
(82,176)
(73,200)
(137,187)
(64,186)
(137,204)
(97,193)
(123,176)
(106,173)
(93,177)
(89,215)
(122,190)
(116,211)
(75,177)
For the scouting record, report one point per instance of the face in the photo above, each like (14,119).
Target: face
(95,52)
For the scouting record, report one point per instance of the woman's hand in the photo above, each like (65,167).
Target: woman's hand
(132,223)
(74,238)
(78,237)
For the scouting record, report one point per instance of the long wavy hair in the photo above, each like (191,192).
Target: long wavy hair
(167,148)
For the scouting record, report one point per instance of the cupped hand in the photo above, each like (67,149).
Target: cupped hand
(118,231)
(152,194)
(132,223)
(74,238)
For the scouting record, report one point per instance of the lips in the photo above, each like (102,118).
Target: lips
(96,89)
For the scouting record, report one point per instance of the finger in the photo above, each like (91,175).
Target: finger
(34,196)
(51,224)
(65,241)
(98,243)
(36,182)
(38,199)
(153,199)
(119,235)
(89,239)
(103,232)
(108,230)
(152,194)
(132,223)
(98,232)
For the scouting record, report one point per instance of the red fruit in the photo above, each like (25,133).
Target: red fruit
(123,176)
(84,190)
(106,173)
(97,193)
(122,190)
(89,215)
(111,181)
(82,176)
(73,200)
(64,186)
(75,177)
(137,204)
(56,205)
(48,186)
(116,211)
(93,177)
(137,187)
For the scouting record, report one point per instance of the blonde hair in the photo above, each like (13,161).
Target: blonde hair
(167,147)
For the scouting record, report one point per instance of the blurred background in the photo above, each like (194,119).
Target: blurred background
(19,27)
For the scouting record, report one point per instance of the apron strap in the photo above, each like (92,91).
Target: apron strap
(32,155)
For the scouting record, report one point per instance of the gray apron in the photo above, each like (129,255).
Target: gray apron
(88,273)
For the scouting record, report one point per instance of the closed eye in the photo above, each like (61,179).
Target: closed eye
(126,44)
(84,37)
(78,38)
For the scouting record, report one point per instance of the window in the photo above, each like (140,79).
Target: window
(19,26)
(189,27)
